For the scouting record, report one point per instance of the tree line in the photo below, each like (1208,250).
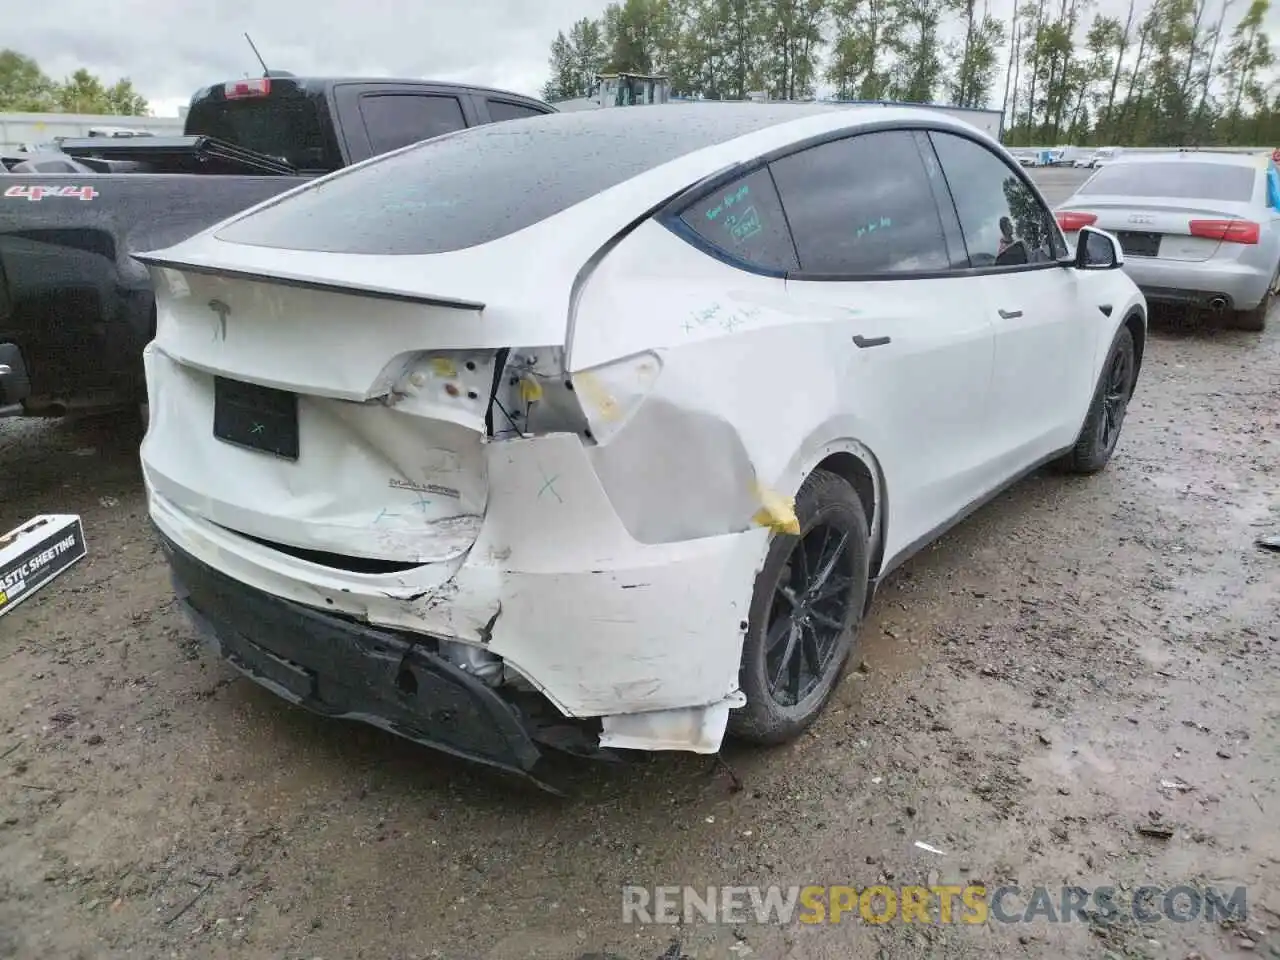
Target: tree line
(1166,73)
(25,88)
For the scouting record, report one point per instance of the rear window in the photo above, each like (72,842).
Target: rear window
(291,128)
(490,181)
(1184,181)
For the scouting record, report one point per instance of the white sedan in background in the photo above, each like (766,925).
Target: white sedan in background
(1199,229)
(598,430)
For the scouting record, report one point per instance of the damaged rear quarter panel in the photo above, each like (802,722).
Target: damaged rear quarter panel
(636,627)
(752,392)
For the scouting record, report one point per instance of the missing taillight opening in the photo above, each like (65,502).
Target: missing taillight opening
(1072,220)
(1229,231)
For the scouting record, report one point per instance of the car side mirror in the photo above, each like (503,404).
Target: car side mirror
(1097,250)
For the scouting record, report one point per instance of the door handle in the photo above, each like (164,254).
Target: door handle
(865,342)
(1010,314)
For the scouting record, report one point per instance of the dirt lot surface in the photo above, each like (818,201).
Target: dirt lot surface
(1081,658)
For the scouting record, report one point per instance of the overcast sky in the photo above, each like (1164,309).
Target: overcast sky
(172,47)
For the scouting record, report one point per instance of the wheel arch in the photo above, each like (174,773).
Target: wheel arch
(855,463)
(1136,321)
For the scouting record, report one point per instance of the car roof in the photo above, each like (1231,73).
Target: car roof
(666,131)
(704,122)
(503,177)
(1198,156)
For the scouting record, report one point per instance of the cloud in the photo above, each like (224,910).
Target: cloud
(170,48)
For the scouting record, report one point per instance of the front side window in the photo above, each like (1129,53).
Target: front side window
(395,120)
(862,206)
(1003,222)
(744,219)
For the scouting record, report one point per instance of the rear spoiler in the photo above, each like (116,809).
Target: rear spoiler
(192,154)
(344,289)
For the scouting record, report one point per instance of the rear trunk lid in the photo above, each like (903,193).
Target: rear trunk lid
(1153,227)
(339,425)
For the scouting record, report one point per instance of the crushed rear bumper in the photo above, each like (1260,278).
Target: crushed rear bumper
(342,668)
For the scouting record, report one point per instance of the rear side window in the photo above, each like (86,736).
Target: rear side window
(1003,222)
(395,120)
(862,206)
(1180,180)
(502,110)
(744,219)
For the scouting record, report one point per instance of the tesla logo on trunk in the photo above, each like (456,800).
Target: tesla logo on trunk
(221,309)
(1139,218)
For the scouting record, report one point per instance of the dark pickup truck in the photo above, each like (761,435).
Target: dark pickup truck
(76,309)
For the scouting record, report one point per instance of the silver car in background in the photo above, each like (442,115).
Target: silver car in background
(1198,229)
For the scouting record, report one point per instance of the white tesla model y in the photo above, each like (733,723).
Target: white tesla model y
(597,430)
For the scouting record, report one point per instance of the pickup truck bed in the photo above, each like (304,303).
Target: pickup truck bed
(76,309)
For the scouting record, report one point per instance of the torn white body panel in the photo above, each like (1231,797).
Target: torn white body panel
(761,379)
(692,729)
(553,584)
(392,486)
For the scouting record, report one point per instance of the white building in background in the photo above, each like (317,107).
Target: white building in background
(19,128)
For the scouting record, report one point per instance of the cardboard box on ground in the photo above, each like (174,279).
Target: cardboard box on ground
(34,553)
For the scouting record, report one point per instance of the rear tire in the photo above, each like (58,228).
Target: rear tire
(1105,419)
(802,627)
(1255,320)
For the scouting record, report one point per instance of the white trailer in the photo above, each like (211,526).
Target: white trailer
(21,128)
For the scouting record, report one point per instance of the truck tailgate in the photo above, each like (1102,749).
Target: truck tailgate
(77,305)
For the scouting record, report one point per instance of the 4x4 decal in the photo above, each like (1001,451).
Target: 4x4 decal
(39,193)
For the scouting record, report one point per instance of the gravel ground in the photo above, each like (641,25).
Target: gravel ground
(1081,657)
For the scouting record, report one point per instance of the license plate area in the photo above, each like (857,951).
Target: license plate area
(1136,244)
(259,418)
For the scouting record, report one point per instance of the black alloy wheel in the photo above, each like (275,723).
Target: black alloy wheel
(1105,419)
(805,610)
(1115,400)
(810,610)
